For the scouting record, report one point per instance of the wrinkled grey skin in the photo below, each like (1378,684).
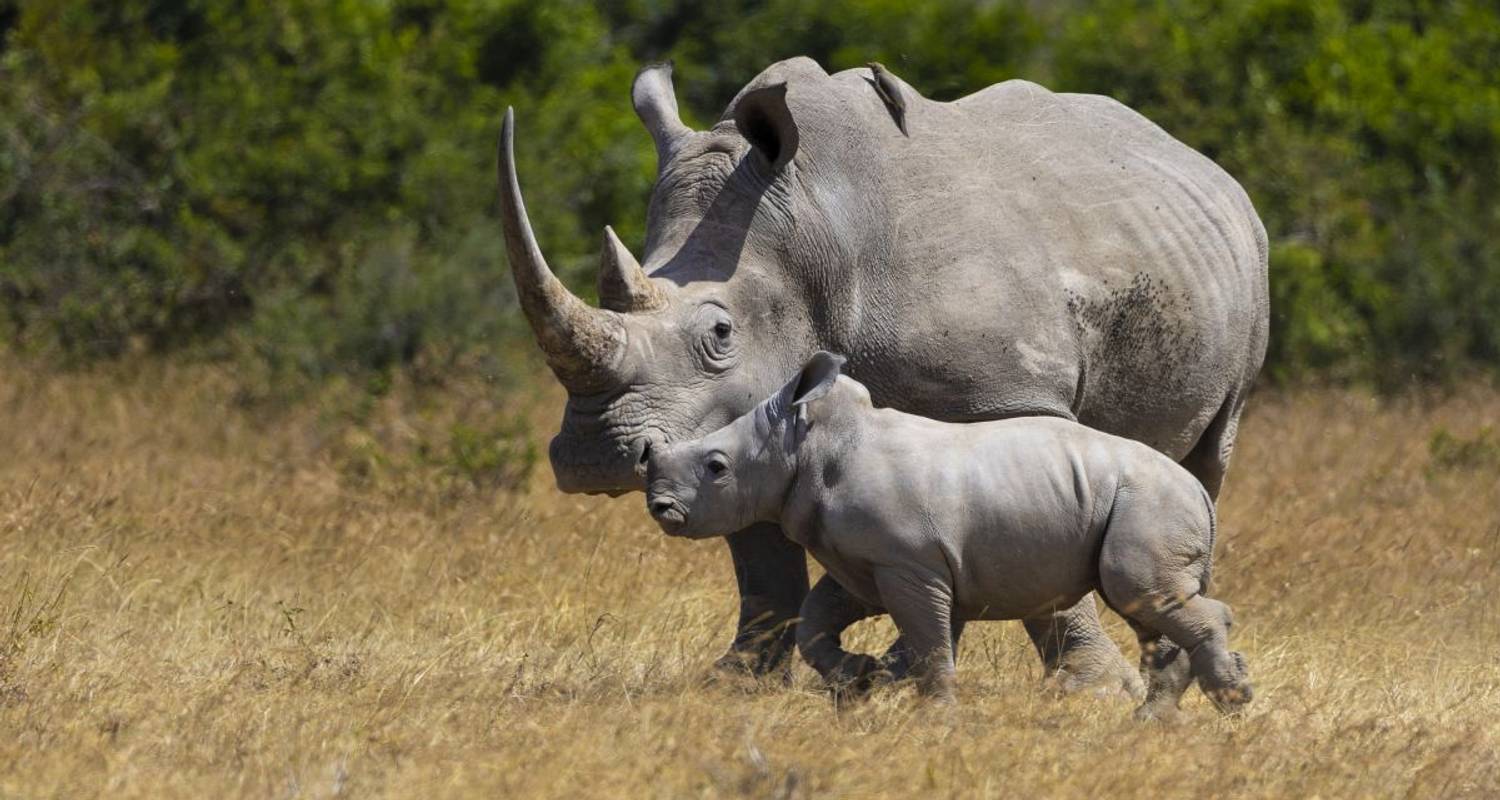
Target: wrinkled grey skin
(937,523)
(1019,253)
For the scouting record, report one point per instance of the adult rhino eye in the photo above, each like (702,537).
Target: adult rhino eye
(717,467)
(719,347)
(716,342)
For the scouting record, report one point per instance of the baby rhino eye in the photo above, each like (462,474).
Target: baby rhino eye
(717,466)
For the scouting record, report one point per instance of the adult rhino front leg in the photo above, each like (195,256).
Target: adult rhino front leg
(771,571)
(1077,655)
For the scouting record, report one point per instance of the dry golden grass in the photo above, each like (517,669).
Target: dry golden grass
(198,600)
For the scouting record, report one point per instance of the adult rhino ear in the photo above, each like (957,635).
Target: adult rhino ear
(817,377)
(765,121)
(655,103)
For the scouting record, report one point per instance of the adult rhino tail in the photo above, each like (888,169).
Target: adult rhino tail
(1213,534)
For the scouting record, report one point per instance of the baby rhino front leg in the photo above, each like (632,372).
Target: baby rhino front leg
(826,613)
(922,608)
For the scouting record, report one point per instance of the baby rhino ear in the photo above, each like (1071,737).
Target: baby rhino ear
(817,377)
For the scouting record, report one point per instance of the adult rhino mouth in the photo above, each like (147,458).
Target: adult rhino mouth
(583,466)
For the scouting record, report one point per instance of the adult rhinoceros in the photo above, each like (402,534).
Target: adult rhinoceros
(1015,252)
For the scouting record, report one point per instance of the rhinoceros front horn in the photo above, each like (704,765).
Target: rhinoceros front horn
(583,345)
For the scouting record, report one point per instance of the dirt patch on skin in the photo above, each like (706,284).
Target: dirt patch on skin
(1145,329)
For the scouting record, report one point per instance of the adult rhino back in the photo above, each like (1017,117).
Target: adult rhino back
(1063,255)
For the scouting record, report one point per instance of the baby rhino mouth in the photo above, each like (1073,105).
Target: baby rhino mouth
(667,511)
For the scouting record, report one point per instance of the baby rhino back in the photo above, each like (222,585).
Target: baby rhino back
(1018,510)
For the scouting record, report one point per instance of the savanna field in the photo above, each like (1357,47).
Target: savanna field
(275,513)
(201,597)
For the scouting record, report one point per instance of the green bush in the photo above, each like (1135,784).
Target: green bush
(1448,451)
(309,185)
(493,456)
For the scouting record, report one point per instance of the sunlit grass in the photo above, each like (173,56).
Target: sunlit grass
(198,600)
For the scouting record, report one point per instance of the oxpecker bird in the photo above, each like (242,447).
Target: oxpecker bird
(890,92)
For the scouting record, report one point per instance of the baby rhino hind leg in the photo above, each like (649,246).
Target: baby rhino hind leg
(1167,671)
(1184,635)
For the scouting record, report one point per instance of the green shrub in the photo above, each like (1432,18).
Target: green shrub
(498,455)
(309,185)
(1448,451)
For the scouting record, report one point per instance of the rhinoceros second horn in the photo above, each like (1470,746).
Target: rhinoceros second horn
(623,285)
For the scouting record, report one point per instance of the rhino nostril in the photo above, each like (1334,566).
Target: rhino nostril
(660,506)
(645,452)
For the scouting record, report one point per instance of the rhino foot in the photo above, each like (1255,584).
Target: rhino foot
(763,662)
(771,571)
(1160,713)
(1078,656)
(1114,678)
(855,677)
(1228,686)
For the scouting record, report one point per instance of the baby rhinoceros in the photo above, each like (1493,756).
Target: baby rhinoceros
(939,523)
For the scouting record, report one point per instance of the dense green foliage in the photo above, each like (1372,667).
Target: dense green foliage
(308,184)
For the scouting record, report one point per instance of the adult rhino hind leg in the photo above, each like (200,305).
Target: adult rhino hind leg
(771,571)
(1077,655)
(1208,461)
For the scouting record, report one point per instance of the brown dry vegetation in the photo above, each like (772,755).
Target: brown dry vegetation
(202,600)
